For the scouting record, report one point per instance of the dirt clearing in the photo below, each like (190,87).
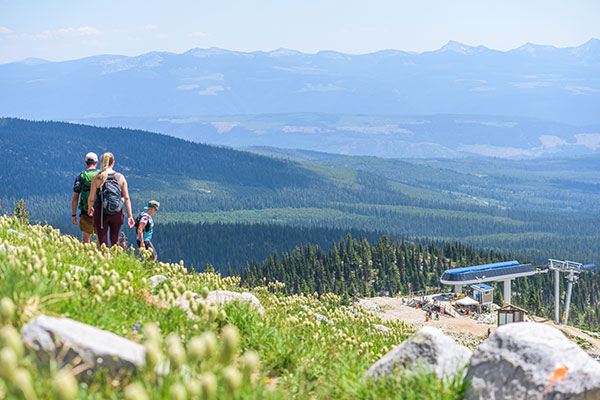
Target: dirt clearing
(466,329)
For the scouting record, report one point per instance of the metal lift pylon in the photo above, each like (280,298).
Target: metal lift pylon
(573,269)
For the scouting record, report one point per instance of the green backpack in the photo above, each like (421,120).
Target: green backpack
(86,182)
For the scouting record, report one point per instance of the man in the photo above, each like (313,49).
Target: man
(81,193)
(145,226)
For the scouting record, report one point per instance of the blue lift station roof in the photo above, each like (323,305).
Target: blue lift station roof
(483,267)
(482,286)
(486,273)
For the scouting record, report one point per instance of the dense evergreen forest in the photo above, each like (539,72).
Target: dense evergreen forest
(355,268)
(41,158)
(227,247)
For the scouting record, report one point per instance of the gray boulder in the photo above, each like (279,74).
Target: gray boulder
(368,305)
(218,298)
(382,328)
(520,360)
(321,317)
(75,268)
(318,317)
(7,247)
(72,341)
(222,297)
(156,279)
(429,349)
(16,233)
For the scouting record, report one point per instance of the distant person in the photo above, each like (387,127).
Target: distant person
(145,227)
(123,240)
(107,195)
(81,193)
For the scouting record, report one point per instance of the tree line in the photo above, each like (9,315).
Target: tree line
(354,268)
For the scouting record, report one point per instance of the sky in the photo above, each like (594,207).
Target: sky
(69,29)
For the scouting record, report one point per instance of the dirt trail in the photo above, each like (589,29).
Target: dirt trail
(463,327)
(393,309)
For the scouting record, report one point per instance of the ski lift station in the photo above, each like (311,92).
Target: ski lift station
(497,272)
(507,271)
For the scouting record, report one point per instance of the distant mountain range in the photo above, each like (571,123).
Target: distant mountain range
(410,136)
(291,99)
(560,84)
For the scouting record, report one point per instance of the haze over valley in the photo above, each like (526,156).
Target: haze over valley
(456,101)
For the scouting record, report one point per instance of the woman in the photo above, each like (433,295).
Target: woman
(113,184)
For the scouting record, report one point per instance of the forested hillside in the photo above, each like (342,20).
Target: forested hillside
(524,213)
(227,247)
(356,268)
(41,158)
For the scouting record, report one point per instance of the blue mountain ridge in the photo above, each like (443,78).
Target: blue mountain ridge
(561,84)
(459,100)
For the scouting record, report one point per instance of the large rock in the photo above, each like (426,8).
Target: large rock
(7,247)
(382,328)
(369,305)
(66,339)
(218,297)
(75,268)
(318,317)
(156,279)
(428,349)
(520,361)
(225,296)
(17,233)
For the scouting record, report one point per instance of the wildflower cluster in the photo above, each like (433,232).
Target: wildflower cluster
(301,346)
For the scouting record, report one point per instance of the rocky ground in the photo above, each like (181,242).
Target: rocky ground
(467,330)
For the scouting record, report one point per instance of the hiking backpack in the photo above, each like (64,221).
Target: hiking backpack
(111,196)
(86,182)
(137,224)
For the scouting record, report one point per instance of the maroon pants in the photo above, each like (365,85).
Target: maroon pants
(112,222)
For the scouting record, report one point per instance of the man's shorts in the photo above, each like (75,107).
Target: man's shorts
(86,223)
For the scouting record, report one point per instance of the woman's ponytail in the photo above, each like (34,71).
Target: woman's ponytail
(107,160)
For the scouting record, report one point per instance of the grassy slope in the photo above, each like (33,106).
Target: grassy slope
(300,356)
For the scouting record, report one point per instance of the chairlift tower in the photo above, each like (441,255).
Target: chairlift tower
(572,268)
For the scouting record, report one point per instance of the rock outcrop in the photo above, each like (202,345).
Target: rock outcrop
(531,361)
(156,279)
(68,340)
(380,327)
(225,296)
(428,349)
(318,317)
(7,247)
(16,233)
(217,297)
(368,305)
(322,318)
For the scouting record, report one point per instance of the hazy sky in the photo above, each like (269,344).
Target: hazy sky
(67,29)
